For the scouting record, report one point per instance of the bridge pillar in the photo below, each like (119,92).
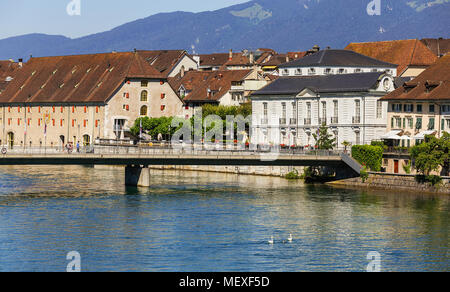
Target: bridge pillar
(137,176)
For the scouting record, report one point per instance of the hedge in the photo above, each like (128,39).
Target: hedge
(370,156)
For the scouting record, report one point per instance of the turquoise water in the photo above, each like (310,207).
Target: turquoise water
(192,221)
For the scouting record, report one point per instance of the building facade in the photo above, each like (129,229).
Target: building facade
(291,109)
(420,107)
(54,101)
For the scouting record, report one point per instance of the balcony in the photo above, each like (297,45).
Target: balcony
(282,121)
(356,120)
(334,120)
(322,121)
(308,121)
(293,121)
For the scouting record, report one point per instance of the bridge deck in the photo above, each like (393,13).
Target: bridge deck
(253,159)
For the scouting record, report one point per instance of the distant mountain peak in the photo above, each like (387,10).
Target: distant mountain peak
(255,13)
(282,25)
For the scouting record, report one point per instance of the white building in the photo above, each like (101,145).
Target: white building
(290,109)
(329,62)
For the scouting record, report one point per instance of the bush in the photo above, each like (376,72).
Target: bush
(293,175)
(433,180)
(369,156)
(380,144)
(364,174)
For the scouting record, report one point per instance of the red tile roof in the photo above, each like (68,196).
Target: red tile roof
(7,69)
(432,84)
(439,47)
(163,61)
(75,79)
(201,83)
(405,53)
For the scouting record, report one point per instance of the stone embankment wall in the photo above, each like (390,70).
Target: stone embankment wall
(395,182)
(279,171)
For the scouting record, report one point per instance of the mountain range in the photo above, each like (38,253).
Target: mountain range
(283,25)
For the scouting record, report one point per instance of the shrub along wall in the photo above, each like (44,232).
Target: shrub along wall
(370,156)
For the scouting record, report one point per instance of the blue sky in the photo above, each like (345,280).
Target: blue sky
(19,17)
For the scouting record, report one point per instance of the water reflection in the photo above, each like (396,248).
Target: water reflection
(191,221)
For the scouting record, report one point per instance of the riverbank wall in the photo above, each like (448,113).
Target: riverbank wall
(394,182)
(278,171)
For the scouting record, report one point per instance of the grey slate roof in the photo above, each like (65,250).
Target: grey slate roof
(344,58)
(360,82)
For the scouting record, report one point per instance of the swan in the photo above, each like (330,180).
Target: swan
(290,238)
(271,240)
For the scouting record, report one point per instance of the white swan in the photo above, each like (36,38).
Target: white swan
(290,238)
(271,240)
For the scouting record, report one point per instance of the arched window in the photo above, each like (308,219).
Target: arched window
(144,110)
(144,95)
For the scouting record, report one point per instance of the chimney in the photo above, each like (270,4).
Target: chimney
(182,71)
(230,57)
(287,59)
(252,58)
(20,63)
(316,48)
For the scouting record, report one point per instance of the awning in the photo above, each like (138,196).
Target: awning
(421,136)
(392,135)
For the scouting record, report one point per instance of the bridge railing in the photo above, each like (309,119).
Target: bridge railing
(166,150)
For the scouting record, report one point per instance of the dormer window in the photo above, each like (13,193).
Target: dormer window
(358,70)
(342,71)
(298,72)
(312,71)
(328,71)
(285,72)
(374,70)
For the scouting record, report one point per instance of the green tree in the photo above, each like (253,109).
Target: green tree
(432,154)
(324,140)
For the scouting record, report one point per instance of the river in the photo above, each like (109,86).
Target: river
(193,221)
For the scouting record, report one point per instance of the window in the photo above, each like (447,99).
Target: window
(298,72)
(374,70)
(357,108)
(419,108)
(396,107)
(324,112)
(431,108)
(144,110)
(419,123)
(308,108)
(398,122)
(265,110)
(285,72)
(144,95)
(409,108)
(446,108)
(431,124)
(358,138)
(328,71)
(379,109)
(410,123)
(144,83)
(358,71)
(312,71)
(342,71)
